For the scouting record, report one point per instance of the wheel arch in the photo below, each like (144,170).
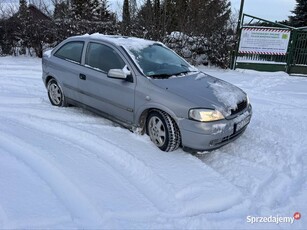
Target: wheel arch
(143,113)
(49,77)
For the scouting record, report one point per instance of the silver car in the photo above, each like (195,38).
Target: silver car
(145,86)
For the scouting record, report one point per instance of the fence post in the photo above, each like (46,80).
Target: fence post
(291,50)
(239,28)
(232,57)
(236,51)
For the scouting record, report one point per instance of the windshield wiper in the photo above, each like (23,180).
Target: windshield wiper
(166,76)
(182,72)
(160,76)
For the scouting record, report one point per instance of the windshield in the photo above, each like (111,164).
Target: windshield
(157,61)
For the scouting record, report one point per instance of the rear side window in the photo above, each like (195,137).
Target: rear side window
(102,57)
(71,51)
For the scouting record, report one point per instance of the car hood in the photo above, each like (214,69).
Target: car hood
(204,91)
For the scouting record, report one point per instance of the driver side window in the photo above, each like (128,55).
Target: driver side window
(103,58)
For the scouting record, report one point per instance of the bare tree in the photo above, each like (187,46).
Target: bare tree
(7,9)
(1,10)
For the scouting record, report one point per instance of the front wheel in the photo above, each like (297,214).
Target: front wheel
(163,131)
(55,94)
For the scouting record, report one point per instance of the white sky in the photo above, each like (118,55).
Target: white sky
(274,10)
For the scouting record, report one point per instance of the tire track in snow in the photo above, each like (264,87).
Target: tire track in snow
(3,218)
(182,206)
(248,177)
(191,197)
(37,138)
(262,173)
(80,208)
(127,165)
(44,112)
(256,182)
(184,198)
(24,191)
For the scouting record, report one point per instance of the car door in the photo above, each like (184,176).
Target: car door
(67,66)
(112,96)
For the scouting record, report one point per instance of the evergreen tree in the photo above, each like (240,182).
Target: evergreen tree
(175,15)
(300,14)
(126,19)
(126,13)
(203,27)
(79,9)
(210,21)
(105,13)
(94,9)
(132,8)
(23,8)
(145,15)
(182,12)
(170,17)
(149,20)
(157,14)
(61,10)
(208,16)
(23,24)
(86,10)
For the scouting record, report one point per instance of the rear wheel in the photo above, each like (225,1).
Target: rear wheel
(55,93)
(163,131)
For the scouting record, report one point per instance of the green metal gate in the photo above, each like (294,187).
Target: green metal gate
(297,60)
(293,62)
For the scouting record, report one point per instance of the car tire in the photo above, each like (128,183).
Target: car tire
(55,94)
(163,131)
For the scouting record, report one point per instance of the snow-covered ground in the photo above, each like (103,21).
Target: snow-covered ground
(69,168)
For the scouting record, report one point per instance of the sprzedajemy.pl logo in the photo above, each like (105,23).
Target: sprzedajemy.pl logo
(273,219)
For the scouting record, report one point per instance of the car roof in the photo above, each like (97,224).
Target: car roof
(128,42)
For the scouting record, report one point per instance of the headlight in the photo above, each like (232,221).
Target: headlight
(205,115)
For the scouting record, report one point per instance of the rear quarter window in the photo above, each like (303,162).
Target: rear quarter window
(71,51)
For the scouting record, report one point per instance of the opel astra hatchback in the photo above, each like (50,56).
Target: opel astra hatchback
(145,86)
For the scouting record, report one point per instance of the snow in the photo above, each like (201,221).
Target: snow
(229,98)
(178,35)
(69,168)
(248,60)
(127,42)
(126,70)
(48,53)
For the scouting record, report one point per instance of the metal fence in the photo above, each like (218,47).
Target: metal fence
(298,54)
(294,61)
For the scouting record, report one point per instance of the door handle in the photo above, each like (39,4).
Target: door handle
(82,76)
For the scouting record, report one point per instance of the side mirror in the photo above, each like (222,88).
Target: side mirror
(117,74)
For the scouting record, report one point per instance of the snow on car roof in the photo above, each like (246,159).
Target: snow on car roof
(128,42)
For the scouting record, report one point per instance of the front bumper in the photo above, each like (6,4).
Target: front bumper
(201,136)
